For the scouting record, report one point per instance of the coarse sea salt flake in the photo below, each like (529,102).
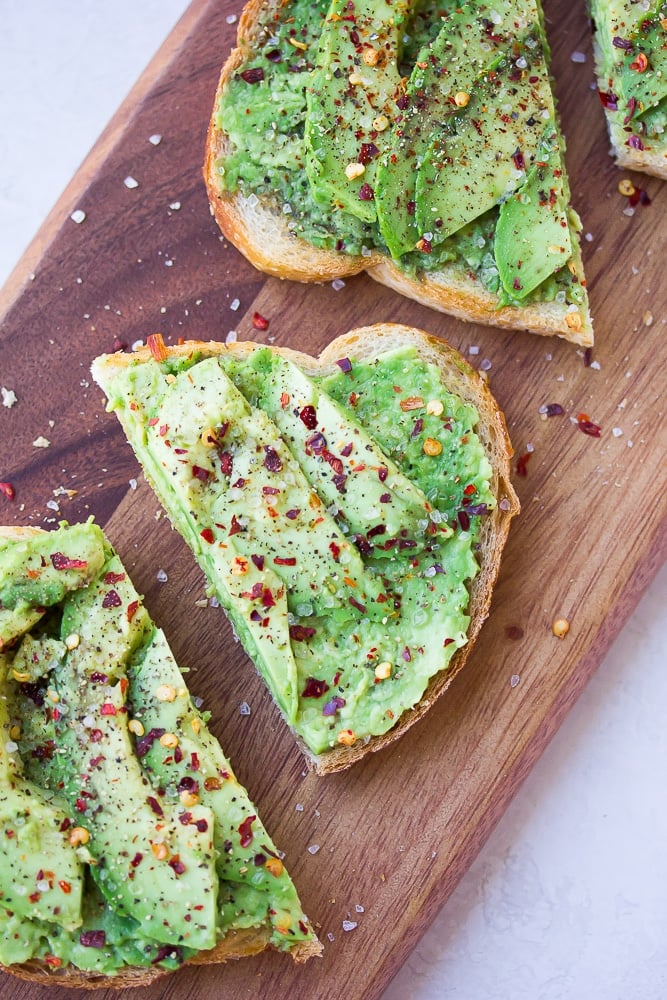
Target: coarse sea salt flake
(231,337)
(8,397)
(337,284)
(161,576)
(578,57)
(349,925)
(78,216)
(234,304)
(617,431)
(41,442)
(175,206)
(231,19)
(155,139)
(131,182)
(514,680)
(244,708)
(313,849)
(473,350)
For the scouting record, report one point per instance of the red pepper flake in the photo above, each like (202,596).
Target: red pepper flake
(61,561)
(270,491)
(80,805)
(111,600)
(114,578)
(254,75)
(137,859)
(93,939)
(357,604)
(284,560)
(65,887)
(345,366)
(333,706)
(226,463)
(314,688)
(95,735)
(346,451)
(260,322)
(586,425)
(7,491)
(519,161)
(188,784)
(514,632)
(156,346)
(235,526)
(554,410)
(293,513)
(163,431)
(176,864)
(155,805)
(621,43)
(207,535)
(194,761)
(609,100)
(258,561)
(447,642)
(334,549)
(308,416)
(284,399)
(53,961)
(301,633)
(366,193)
(245,831)
(406,654)
(522,463)
(99,678)
(272,460)
(132,609)
(470,489)
(267,598)
(640,64)
(333,461)
(632,107)
(385,498)
(201,474)
(383,472)
(588,357)
(368,152)
(635,142)
(426,246)
(108,708)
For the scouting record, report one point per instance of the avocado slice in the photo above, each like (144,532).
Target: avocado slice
(533,235)
(35,578)
(41,876)
(351,99)
(479,158)
(342,462)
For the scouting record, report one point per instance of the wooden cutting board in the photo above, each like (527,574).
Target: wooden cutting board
(395,834)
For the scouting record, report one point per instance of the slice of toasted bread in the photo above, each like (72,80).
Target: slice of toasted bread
(236,944)
(260,229)
(627,41)
(360,345)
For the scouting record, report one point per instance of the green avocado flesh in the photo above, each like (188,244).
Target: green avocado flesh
(128,840)
(405,128)
(631,53)
(340,548)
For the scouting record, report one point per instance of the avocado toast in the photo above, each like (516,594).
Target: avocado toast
(130,847)
(631,57)
(415,141)
(349,513)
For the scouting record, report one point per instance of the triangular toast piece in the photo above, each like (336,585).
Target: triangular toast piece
(416,141)
(132,848)
(349,513)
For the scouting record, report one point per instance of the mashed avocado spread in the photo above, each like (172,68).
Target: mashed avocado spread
(127,840)
(335,517)
(426,131)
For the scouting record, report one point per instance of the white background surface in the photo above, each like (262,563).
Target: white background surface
(569,897)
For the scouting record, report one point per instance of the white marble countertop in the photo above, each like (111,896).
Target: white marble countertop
(568,899)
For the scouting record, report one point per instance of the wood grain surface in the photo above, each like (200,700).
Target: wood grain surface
(396,832)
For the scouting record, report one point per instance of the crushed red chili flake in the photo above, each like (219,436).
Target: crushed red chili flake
(169,951)
(284,560)
(108,708)
(155,805)
(65,886)
(60,561)
(345,366)
(447,642)
(260,322)
(301,633)
(245,831)
(272,460)
(333,706)
(406,654)
(519,161)
(7,491)
(235,526)
(314,688)
(308,416)
(201,474)
(514,632)
(367,152)
(383,472)
(366,192)
(137,859)
(53,961)
(361,608)
(293,513)
(640,64)
(385,498)
(207,535)
(586,425)
(93,939)
(143,745)
(96,735)
(111,599)
(132,609)
(334,549)
(226,463)
(156,346)
(632,107)
(522,463)
(254,75)
(258,561)
(635,142)
(176,864)
(346,451)
(188,784)
(639,195)
(99,678)
(114,578)
(609,100)
(554,410)
(621,43)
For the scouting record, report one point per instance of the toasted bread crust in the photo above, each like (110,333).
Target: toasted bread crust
(236,944)
(260,231)
(366,343)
